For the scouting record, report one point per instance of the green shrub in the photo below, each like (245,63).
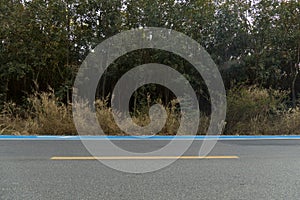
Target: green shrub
(251,110)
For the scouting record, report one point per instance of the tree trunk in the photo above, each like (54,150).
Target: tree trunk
(297,68)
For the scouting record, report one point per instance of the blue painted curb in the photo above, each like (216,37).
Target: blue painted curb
(202,137)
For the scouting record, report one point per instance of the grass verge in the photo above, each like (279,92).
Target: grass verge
(251,111)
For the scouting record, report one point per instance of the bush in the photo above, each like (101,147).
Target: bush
(253,110)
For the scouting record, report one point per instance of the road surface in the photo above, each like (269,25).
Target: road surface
(258,169)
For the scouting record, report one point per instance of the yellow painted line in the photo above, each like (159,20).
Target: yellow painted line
(142,157)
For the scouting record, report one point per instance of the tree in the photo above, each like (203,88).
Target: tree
(275,44)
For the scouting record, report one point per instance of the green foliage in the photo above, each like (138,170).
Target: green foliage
(253,42)
(249,105)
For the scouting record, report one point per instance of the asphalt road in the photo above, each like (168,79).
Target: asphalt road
(265,169)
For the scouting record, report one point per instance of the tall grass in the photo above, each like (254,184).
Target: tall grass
(43,115)
(251,111)
(255,111)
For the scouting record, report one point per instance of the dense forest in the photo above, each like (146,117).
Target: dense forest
(255,44)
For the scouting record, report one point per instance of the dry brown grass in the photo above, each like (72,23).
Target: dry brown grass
(255,111)
(44,116)
(251,111)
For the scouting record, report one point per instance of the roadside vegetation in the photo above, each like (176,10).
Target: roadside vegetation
(255,44)
(251,111)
